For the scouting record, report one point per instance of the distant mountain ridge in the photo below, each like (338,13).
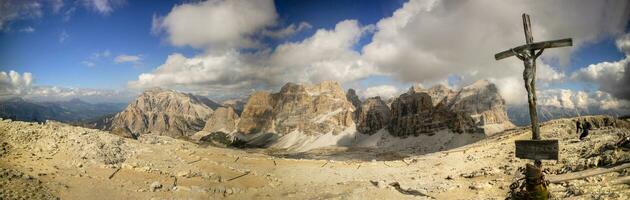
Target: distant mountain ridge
(71,111)
(519,114)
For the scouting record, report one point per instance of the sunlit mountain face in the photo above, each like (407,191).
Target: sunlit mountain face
(286,99)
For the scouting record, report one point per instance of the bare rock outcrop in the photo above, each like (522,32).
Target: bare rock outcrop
(482,102)
(372,115)
(237,104)
(352,97)
(163,112)
(224,120)
(311,109)
(475,108)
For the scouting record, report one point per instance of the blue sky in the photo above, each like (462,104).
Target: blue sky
(77,44)
(127,30)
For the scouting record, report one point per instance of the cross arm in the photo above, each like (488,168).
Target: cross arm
(534,46)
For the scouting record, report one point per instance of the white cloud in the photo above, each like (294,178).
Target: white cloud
(96,57)
(423,42)
(56,5)
(136,60)
(53,93)
(611,77)
(431,40)
(100,54)
(104,7)
(623,43)
(13,84)
(384,91)
(287,31)
(216,23)
(11,10)
(63,36)
(27,29)
(569,99)
(88,63)
(327,55)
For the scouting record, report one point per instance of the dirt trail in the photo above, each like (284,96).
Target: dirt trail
(76,163)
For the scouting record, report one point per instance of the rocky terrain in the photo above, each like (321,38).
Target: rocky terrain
(163,112)
(43,161)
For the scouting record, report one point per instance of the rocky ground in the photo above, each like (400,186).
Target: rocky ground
(55,160)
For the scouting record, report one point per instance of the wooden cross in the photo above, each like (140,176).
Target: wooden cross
(527,53)
(533,149)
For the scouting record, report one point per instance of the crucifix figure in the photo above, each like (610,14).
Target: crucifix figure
(527,53)
(536,148)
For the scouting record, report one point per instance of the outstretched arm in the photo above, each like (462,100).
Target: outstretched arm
(541,50)
(539,53)
(519,56)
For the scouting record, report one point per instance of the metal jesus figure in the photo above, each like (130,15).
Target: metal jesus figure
(536,187)
(529,76)
(527,53)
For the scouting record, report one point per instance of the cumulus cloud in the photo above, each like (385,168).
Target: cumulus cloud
(13,84)
(384,91)
(422,42)
(582,100)
(287,31)
(136,60)
(216,23)
(430,40)
(327,55)
(611,77)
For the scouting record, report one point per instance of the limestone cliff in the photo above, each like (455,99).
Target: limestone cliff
(163,112)
(311,109)
(474,108)
(372,116)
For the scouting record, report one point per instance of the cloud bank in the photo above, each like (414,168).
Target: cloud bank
(422,42)
(13,84)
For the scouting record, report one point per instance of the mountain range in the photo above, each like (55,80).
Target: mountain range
(298,117)
(72,111)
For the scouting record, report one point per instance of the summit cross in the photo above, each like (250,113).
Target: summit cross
(535,149)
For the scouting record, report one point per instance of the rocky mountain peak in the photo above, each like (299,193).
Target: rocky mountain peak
(373,115)
(311,109)
(163,112)
(352,97)
(474,108)
(416,88)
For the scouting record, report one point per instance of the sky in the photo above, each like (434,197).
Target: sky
(111,50)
